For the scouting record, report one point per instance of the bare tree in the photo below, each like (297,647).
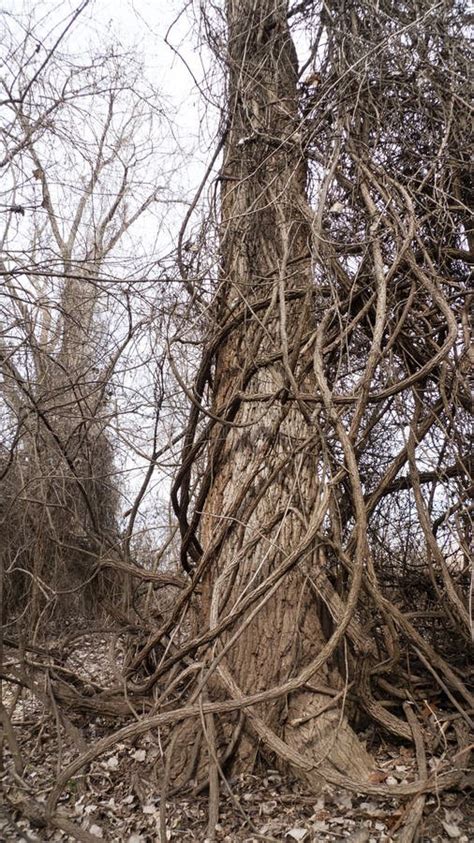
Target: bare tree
(339,358)
(72,192)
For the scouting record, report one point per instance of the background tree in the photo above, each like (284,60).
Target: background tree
(76,181)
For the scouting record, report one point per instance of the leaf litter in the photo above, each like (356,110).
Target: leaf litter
(117,798)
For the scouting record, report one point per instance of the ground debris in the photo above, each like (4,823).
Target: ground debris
(117,797)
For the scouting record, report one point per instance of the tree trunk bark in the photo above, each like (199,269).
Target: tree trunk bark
(268,498)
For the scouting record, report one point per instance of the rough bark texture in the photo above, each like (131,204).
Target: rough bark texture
(268,497)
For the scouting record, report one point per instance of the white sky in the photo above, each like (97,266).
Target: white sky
(141,25)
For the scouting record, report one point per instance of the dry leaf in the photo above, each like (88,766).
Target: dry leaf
(344,800)
(370,808)
(321,815)
(320,826)
(451,829)
(297,833)
(377,776)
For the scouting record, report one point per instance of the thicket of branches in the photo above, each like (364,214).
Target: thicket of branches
(358,339)
(84,143)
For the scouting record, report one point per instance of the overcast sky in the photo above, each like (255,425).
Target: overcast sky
(140,25)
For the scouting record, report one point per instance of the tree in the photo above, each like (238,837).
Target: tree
(74,186)
(268,482)
(338,327)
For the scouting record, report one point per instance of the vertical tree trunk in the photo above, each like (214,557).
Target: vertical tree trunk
(268,497)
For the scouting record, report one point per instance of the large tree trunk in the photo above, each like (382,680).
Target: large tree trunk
(268,497)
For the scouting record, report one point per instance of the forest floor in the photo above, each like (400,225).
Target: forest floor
(117,797)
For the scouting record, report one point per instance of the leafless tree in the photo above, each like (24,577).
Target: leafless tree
(77,177)
(337,475)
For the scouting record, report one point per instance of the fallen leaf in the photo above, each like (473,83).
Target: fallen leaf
(370,808)
(455,816)
(344,800)
(268,807)
(297,833)
(451,829)
(377,776)
(320,826)
(321,815)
